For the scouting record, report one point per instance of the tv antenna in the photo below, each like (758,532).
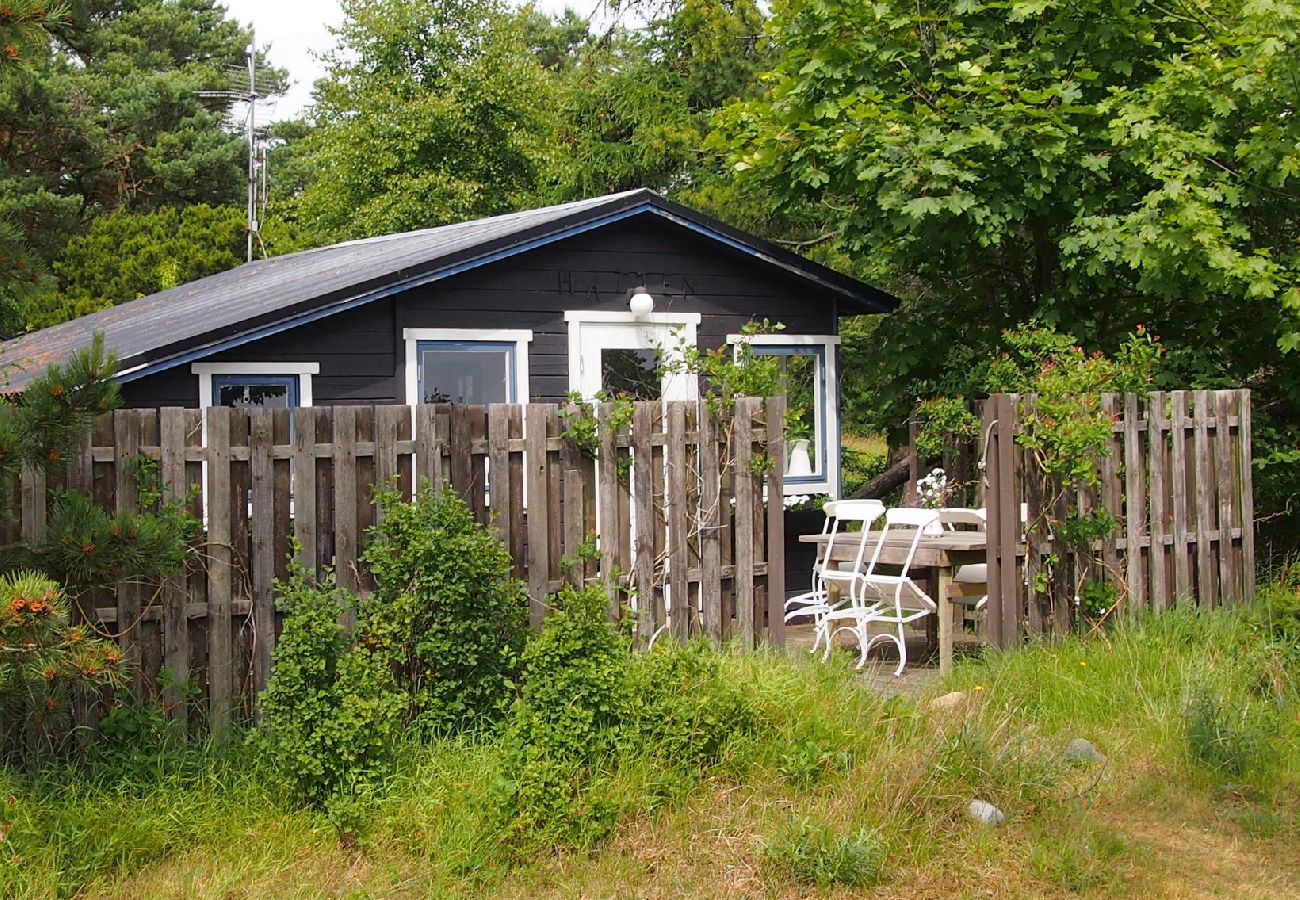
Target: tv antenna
(249,98)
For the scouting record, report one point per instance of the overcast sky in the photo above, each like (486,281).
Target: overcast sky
(298,31)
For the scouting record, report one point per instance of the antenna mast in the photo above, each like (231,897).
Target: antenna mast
(252,140)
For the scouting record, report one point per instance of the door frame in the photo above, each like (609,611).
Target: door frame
(580,320)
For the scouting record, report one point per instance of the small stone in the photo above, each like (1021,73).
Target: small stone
(1081,752)
(985,813)
(950,702)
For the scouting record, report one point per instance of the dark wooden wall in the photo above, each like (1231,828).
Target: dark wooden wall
(361,353)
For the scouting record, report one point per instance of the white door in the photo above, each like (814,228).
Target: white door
(621,356)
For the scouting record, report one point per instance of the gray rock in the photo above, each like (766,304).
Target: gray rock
(1081,752)
(985,813)
(950,702)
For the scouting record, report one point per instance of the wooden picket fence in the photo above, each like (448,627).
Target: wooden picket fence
(1177,480)
(674,507)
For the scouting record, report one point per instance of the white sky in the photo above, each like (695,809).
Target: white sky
(298,31)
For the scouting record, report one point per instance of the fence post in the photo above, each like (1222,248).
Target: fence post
(219,570)
(1004,522)
(776,521)
(1247,497)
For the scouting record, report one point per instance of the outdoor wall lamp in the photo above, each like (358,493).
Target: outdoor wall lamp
(641,303)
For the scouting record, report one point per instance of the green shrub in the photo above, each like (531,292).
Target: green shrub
(813,852)
(1229,738)
(329,713)
(567,723)
(447,620)
(687,706)
(43,660)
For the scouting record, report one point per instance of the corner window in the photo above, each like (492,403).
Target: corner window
(451,365)
(808,376)
(255,385)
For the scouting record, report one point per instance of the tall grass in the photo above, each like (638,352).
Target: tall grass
(836,782)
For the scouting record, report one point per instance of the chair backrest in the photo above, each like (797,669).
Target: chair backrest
(953,516)
(905,519)
(862,512)
(856,510)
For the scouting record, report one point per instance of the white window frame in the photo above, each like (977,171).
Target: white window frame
(676,387)
(830,482)
(520,337)
(304,371)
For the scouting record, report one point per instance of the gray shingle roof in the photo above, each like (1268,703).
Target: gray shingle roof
(262,293)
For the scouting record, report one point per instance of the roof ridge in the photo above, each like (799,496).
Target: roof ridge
(583,203)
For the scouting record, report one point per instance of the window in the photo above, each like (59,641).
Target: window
(808,373)
(255,385)
(454,365)
(253,391)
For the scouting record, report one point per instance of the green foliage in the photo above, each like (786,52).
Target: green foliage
(566,724)
(993,162)
(943,419)
(729,371)
(447,621)
(44,659)
(582,426)
(42,425)
(890,768)
(129,254)
(107,115)
(1228,738)
(813,852)
(634,109)
(329,716)
(688,706)
(428,114)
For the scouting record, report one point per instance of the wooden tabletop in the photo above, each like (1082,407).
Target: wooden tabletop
(943,550)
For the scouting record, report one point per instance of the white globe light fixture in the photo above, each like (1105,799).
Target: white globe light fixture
(641,303)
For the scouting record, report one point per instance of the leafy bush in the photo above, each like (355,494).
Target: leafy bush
(813,852)
(567,722)
(43,661)
(447,620)
(328,714)
(687,707)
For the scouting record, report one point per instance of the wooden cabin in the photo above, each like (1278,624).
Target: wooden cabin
(525,306)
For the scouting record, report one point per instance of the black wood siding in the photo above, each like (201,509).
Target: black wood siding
(361,352)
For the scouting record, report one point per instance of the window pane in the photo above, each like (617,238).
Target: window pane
(801,378)
(629,372)
(465,376)
(253,394)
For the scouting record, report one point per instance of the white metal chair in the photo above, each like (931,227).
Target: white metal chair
(889,600)
(957,519)
(828,575)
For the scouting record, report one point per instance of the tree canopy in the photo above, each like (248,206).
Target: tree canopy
(113,111)
(429,113)
(1098,165)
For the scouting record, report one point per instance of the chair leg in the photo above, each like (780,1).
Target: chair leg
(902,651)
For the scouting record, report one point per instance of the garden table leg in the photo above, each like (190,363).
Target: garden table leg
(944,578)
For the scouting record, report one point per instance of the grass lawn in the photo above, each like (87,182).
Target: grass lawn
(1196,714)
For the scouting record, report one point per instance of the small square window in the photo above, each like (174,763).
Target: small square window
(467,372)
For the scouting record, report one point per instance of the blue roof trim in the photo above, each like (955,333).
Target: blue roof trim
(456,269)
